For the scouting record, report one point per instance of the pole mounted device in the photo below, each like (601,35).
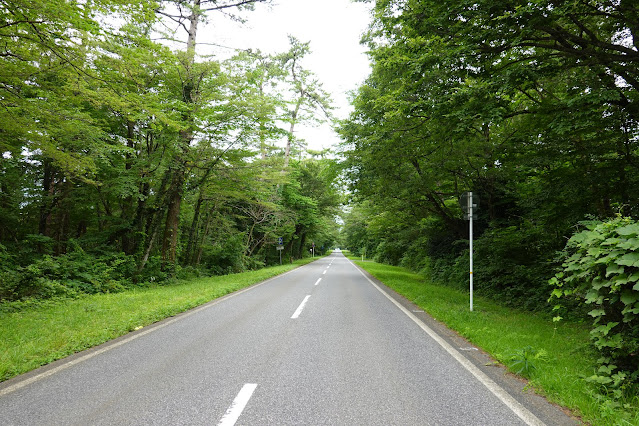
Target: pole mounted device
(469,204)
(280,247)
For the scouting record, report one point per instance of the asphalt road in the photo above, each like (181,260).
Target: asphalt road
(321,345)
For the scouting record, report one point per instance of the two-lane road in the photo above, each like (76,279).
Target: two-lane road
(320,345)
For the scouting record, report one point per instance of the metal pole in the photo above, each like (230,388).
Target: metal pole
(470,215)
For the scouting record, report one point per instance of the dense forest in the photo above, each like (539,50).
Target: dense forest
(127,157)
(534,107)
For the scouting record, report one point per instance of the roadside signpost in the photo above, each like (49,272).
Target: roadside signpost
(469,204)
(280,247)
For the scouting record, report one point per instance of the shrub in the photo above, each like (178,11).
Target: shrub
(450,271)
(601,269)
(68,275)
(226,256)
(512,264)
(33,281)
(389,252)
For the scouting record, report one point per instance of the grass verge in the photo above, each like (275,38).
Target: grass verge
(555,358)
(37,335)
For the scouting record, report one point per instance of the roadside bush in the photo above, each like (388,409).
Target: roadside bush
(450,271)
(389,252)
(90,274)
(225,257)
(68,275)
(153,272)
(512,264)
(6,259)
(414,257)
(33,281)
(601,269)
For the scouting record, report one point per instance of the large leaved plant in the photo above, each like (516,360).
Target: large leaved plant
(601,269)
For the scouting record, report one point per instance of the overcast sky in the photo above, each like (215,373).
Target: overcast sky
(334,29)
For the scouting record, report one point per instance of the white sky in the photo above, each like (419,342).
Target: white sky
(334,29)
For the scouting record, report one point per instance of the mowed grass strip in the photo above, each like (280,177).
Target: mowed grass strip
(38,335)
(559,352)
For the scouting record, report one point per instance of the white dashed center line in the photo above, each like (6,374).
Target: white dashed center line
(318,281)
(238,405)
(300,307)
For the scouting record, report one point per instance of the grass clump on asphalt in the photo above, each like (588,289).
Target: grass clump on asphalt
(37,335)
(554,357)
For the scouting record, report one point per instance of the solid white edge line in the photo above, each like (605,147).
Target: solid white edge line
(521,411)
(300,308)
(148,329)
(239,403)
(318,281)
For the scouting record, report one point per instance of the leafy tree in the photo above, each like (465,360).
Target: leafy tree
(531,105)
(255,78)
(188,16)
(125,160)
(305,97)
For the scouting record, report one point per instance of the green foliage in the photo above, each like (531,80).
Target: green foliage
(68,275)
(490,97)
(523,360)
(601,269)
(125,161)
(227,257)
(511,262)
(389,252)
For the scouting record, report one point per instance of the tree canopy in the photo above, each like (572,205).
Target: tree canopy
(127,160)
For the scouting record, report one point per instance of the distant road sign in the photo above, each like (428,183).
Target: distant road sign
(280,241)
(280,247)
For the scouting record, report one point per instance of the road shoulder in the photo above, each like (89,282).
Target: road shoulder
(517,387)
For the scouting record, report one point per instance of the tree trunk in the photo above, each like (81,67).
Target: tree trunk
(154,218)
(47,194)
(302,242)
(171,228)
(205,234)
(147,252)
(128,235)
(291,137)
(188,253)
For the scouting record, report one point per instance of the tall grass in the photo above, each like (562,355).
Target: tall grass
(37,335)
(559,355)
